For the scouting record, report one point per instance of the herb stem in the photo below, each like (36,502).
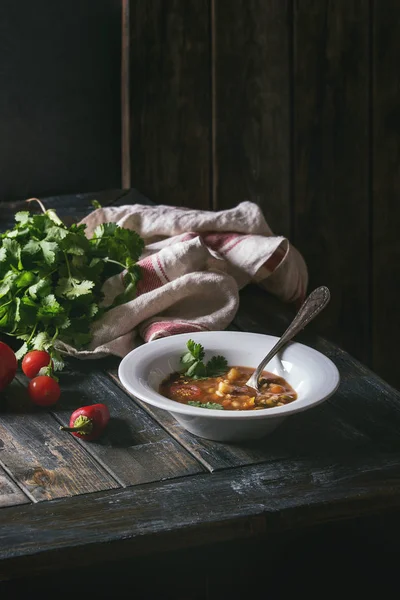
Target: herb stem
(115,262)
(54,336)
(7,303)
(32,334)
(67,263)
(38,201)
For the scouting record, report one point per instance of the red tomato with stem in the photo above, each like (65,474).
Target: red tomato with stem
(44,390)
(34,361)
(8,365)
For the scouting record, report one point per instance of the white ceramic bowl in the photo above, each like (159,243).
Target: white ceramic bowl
(313,376)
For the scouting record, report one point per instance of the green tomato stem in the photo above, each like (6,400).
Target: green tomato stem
(82,425)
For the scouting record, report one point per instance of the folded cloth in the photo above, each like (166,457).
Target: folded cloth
(193,266)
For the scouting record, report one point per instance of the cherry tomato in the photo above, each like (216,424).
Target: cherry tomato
(8,365)
(34,361)
(44,390)
(184,391)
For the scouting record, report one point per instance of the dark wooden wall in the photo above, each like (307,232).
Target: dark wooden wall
(295,105)
(60,118)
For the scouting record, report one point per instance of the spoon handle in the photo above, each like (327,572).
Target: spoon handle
(310,308)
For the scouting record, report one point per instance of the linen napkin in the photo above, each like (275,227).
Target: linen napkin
(193,266)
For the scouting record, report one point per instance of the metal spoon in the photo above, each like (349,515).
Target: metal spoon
(310,308)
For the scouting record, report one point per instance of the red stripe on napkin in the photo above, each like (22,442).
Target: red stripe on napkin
(150,279)
(166,328)
(222,242)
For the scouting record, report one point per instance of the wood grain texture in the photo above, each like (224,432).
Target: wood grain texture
(331,161)
(242,503)
(60,110)
(125,97)
(10,493)
(252,88)
(44,462)
(134,449)
(71,208)
(386,190)
(170,100)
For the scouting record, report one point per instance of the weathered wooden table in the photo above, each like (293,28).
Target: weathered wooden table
(149,493)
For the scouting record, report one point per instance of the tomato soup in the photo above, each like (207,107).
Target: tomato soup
(229,391)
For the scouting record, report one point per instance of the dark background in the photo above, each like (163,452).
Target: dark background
(60,127)
(293,104)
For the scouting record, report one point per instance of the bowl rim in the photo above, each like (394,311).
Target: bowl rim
(159,401)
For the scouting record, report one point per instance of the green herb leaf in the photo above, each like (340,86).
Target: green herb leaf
(211,405)
(41,341)
(73,288)
(196,350)
(192,364)
(49,308)
(197,370)
(51,279)
(216,366)
(22,217)
(20,353)
(40,289)
(49,250)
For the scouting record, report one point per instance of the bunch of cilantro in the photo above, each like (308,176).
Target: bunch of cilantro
(51,279)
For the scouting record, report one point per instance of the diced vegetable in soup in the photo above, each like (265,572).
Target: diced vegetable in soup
(228,391)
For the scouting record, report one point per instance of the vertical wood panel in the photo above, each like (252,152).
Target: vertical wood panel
(125,97)
(331,138)
(170,100)
(252,140)
(60,117)
(386,190)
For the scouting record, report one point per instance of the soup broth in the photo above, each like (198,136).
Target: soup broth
(229,391)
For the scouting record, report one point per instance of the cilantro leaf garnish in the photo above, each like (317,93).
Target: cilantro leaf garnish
(192,364)
(51,279)
(216,366)
(211,405)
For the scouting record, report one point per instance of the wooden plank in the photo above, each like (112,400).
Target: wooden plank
(234,504)
(331,154)
(386,189)
(170,100)
(134,449)
(10,493)
(252,118)
(60,124)
(71,208)
(324,428)
(44,462)
(132,196)
(125,102)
